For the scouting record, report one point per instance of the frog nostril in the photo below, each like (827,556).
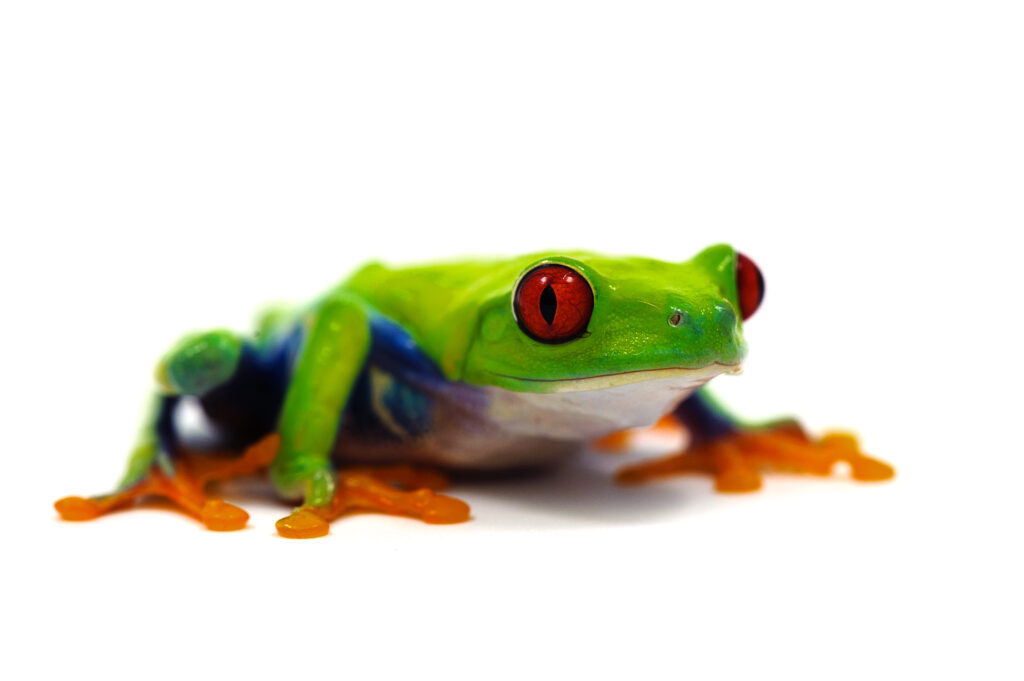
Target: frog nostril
(677,317)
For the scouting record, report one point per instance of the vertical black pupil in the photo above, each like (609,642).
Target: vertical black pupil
(548,304)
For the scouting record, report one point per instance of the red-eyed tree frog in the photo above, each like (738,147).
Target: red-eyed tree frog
(356,400)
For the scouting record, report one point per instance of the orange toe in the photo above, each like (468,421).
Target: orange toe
(220,516)
(871,470)
(302,524)
(862,467)
(78,508)
(442,510)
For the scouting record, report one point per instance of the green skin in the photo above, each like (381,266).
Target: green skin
(461,315)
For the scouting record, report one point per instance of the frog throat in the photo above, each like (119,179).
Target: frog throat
(605,381)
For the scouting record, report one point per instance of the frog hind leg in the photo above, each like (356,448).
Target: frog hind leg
(239,386)
(737,455)
(183,483)
(395,490)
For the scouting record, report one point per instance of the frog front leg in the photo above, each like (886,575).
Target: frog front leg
(736,454)
(326,370)
(335,349)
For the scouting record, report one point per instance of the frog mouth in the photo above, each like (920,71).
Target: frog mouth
(687,376)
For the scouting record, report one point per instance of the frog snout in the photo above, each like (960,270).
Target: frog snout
(708,331)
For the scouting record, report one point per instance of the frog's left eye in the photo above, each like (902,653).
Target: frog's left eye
(749,285)
(553,303)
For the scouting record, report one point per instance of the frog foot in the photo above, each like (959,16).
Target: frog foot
(184,488)
(619,441)
(396,490)
(737,460)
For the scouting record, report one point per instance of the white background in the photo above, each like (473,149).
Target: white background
(173,167)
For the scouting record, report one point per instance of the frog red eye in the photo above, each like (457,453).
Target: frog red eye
(553,303)
(749,285)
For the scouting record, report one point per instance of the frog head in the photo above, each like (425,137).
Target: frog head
(563,322)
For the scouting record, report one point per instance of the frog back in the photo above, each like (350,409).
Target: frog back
(438,304)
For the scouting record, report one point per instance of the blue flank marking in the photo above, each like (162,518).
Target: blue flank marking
(395,350)
(408,399)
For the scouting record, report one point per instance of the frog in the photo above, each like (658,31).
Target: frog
(373,395)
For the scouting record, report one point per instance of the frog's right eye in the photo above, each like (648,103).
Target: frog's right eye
(749,285)
(553,303)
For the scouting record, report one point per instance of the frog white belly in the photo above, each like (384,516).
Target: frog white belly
(493,428)
(588,408)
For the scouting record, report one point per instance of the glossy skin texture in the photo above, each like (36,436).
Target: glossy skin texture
(474,364)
